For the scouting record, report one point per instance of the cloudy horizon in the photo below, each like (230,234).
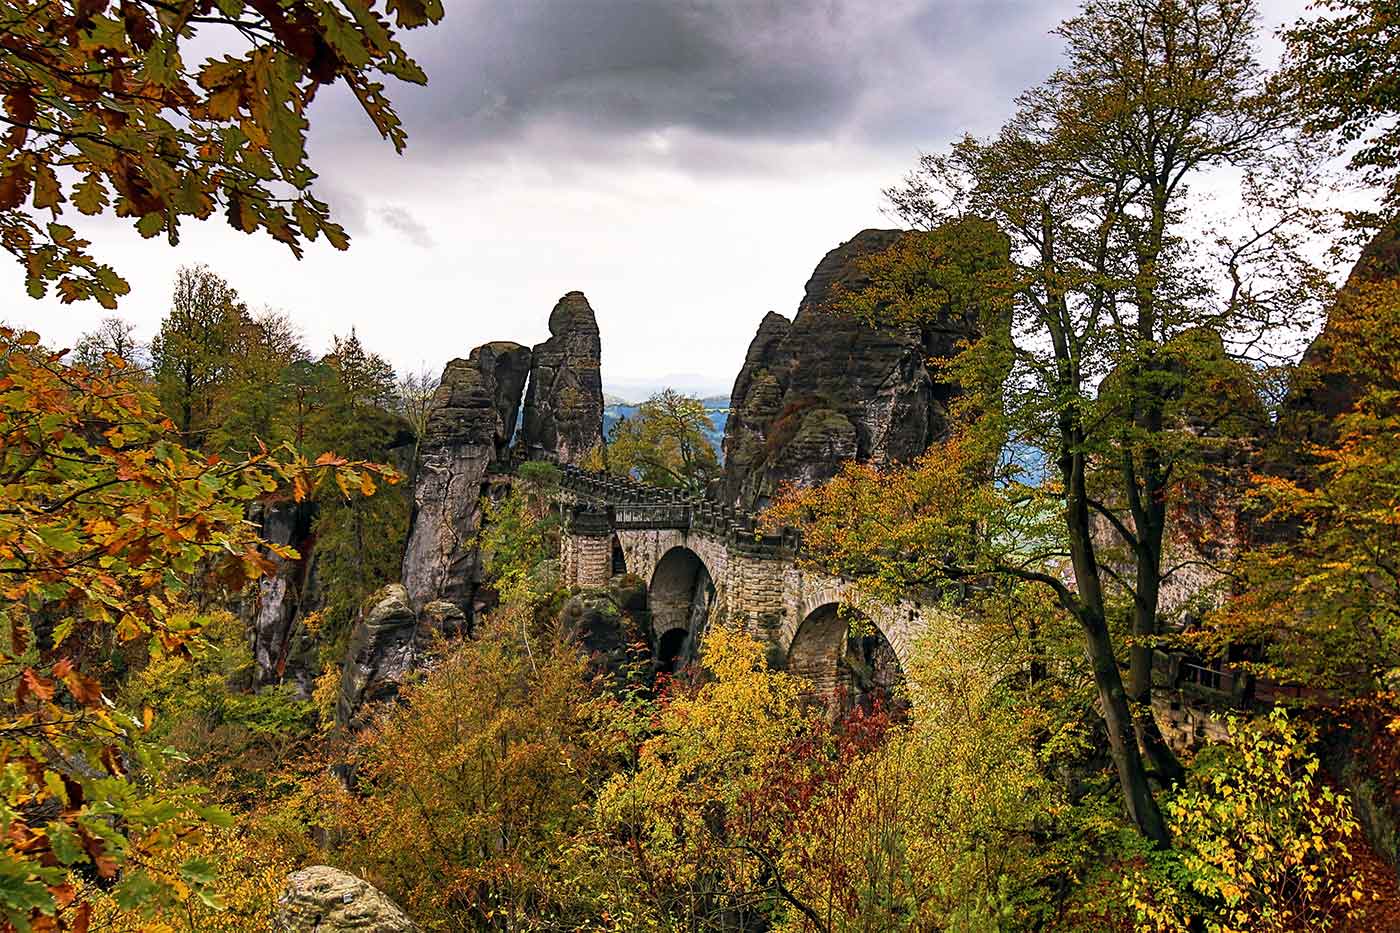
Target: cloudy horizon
(684,163)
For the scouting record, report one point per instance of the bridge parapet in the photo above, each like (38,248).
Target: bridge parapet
(633,505)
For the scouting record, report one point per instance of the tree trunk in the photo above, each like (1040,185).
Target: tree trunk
(1117,714)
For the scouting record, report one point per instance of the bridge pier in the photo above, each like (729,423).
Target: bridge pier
(586,553)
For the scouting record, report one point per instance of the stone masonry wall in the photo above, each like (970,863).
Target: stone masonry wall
(586,560)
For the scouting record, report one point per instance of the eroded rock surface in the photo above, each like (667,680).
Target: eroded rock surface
(282,648)
(609,624)
(564,402)
(1319,391)
(321,899)
(470,422)
(826,387)
(381,654)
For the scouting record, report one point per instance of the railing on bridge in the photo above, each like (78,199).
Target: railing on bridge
(651,515)
(630,505)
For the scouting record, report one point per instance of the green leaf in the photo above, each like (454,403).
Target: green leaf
(199,871)
(67,847)
(151,224)
(60,539)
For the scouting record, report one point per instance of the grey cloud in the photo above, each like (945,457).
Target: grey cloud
(884,72)
(401,220)
(347,208)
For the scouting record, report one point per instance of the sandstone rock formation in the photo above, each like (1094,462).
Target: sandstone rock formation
(321,899)
(281,647)
(381,653)
(564,401)
(1319,391)
(470,422)
(825,387)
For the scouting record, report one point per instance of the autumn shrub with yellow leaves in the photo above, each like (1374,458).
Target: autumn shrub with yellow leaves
(1261,844)
(246,870)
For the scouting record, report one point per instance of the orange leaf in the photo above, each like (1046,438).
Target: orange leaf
(32,683)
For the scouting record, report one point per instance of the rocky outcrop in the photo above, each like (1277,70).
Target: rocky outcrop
(381,653)
(470,422)
(564,402)
(321,899)
(1322,387)
(827,387)
(388,643)
(282,648)
(609,625)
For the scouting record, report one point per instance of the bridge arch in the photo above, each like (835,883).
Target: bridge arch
(679,596)
(845,664)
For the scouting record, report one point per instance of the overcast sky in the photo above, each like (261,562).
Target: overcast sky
(685,163)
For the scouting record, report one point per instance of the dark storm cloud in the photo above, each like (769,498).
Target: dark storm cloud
(586,71)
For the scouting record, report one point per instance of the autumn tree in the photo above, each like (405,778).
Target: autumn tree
(193,355)
(1092,182)
(112,336)
(1264,843)
(251,401)
(114,108)
(712,748)
(665,443)
(460,809)
(1343,67)
(1321,597)
(522,532)
(110,530)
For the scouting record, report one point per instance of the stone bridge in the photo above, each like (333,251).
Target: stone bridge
(706,564)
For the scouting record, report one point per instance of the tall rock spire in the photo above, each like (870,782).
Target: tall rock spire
(470,422)
(826,387)
(564,401)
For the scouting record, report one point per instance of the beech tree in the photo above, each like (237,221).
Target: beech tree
(665,444)
(109,531)
(1344,68)
(112,336)
(1119,299)
(193,355)
(105,113)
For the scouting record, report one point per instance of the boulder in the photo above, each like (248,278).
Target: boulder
(321,899)
(826,387)
(610,625)
(381,654)
(440,619)
(471,420)
(564,402)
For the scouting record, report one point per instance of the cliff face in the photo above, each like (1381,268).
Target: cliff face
(470,422)
(1321,388)
(281,647)
(826,387)
(564,401)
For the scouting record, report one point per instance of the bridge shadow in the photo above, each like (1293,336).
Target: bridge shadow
(680,596)
(845,659)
